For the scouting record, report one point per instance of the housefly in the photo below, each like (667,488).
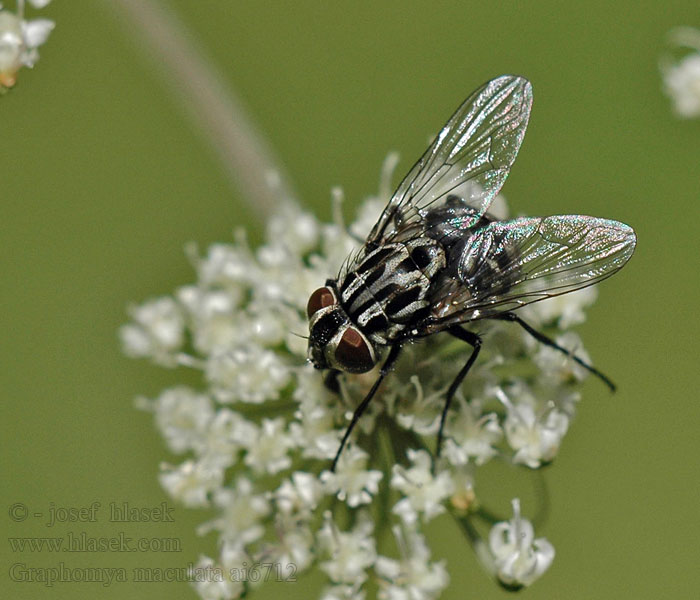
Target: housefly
(437,259)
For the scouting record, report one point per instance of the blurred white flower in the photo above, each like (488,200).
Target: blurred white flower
(680,70)
(300,495)
(212,582)
(292,551)
(191,482)
(423,493)
(535,433)
(682,85)
(413,576)
(556,367)
(183,417)
(520,559)
(472,434)
(260,430)
(19,40)
(350,553)
(420,413)
(352,481)
(156,331)
(242,511)
(344,592)
(270,451)
(247,373)
(314,428)
(227,434)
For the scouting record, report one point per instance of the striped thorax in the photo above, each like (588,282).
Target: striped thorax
(374,305)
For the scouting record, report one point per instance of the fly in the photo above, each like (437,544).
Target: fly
(436,259)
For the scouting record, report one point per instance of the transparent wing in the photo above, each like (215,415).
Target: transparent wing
(508,264)
(470,158)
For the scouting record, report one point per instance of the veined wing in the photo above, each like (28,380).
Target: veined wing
(508,264)
(470,158)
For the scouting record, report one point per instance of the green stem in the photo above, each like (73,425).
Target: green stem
(476,542)
(209,102)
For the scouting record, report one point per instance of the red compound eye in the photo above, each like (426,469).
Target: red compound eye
(321,298)
(353,353)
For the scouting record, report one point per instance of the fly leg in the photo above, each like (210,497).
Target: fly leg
(475,342)
(386,367)
(331,381)
(540,337)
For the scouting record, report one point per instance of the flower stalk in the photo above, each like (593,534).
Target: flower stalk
(209,102)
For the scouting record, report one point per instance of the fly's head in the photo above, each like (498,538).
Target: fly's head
(334,342)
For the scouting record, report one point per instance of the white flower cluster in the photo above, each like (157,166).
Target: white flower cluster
(259,435)
(19,40)
(680,70)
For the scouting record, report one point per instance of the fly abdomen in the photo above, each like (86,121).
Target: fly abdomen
(487,264)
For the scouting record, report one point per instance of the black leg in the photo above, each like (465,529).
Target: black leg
(475,341)
(540,337)
(331,381)
(386,367)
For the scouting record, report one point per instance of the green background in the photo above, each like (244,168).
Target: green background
(103,180)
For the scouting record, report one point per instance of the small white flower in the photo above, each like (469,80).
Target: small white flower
(19,40)
(351,552)
(344,592)
(295,231)
(214,318)
(520,559)
(423,493)
(413,577)
(472,434)
(11,45)
(298,496)
(269,452)
(156,331)
(248,373)
(183,416)
(191,482)
(36,32)
(241,514)
(367,216)
(212,582)
(420,413)
(314,428)
(463,497)
(227,434)
(534,434)
(557,367)
(682,85)
(225,267)
(293,551)
(234,559)
(352,482)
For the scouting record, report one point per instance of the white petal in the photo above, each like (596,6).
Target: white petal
(36,32)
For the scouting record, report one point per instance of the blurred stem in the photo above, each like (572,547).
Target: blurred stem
(210,103)
(478,544)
